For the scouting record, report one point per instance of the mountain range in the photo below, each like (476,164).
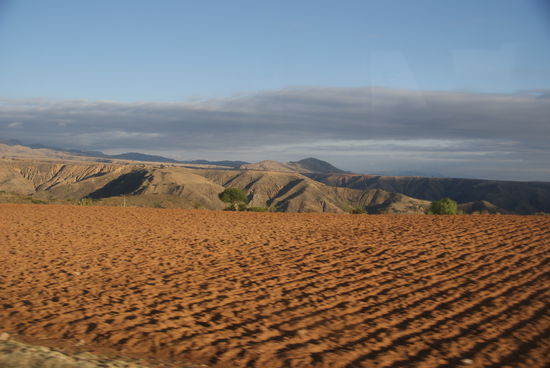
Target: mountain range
(132,156)
(310,185)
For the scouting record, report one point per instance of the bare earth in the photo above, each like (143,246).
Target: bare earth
(278,289)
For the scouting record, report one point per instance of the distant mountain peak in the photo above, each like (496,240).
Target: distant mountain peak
(10,142)
(136,156)
(313,164)
(310,159)
(306,165)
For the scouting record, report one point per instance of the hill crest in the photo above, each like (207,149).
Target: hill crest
(306,165)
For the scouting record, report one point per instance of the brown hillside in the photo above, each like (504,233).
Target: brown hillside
(480,207)
(156,185)
(293,192)
(56,180)
(269,165)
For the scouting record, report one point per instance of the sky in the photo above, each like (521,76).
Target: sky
(452,88)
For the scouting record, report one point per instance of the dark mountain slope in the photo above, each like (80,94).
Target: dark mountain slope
(516,197)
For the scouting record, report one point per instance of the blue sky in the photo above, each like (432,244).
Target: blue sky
(244,56)
(175,50)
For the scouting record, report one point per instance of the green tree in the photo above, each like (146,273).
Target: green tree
(236,196)
(445,206)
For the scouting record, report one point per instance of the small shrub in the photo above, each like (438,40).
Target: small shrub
(86,202)
(357,211)
(38,201)
(445,206)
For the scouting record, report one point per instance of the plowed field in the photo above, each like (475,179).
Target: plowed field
(279,290)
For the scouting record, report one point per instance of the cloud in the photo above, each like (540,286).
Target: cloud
(360,127)
(90,139)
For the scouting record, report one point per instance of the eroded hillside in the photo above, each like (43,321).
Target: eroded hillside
(175,186)
(308,185)
(56,180)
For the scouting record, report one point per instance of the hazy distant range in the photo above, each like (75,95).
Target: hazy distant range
(306,185)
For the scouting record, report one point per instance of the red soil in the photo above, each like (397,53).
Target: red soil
(280,290)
